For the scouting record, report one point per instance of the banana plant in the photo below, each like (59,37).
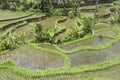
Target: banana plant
(76,30)
(22,37)
(5,45)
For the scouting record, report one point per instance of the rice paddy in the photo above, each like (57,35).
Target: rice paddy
(94,57)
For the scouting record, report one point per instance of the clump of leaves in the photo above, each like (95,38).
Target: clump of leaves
(115,16)
(9,41)
(81,27)
(46,35)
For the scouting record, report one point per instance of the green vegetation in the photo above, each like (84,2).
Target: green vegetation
(47,35)
(53,40)
(81,28)
(9,41)
(62,71)
(95,79)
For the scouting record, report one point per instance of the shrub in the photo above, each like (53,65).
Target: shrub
(115,17)
(81,27)
(9,41)
(47,35)
(71,14)
(56,12)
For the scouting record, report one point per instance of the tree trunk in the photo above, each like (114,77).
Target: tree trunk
(96,7)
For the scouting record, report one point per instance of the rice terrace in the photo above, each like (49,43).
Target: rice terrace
(59,39)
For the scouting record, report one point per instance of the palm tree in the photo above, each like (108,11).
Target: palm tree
(96,7)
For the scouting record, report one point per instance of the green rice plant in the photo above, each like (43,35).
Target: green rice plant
(79,48)
(106,29)
(60,71)
(9,63)
(81,39)
(62,55)
(95,78)
(104,46)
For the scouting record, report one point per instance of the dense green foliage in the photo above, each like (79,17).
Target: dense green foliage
(115,16)
(45,35)
(44,5)
(9,41)
(82,27)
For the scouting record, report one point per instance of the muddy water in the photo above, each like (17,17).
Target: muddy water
(102,26)
(90,42)
(107,33)
(33,59)
(112,73)
(89,57)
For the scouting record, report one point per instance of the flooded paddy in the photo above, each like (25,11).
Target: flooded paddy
(30,58)
(15,15)
(107,33)
(90,57)
(96,41)
(103,26)
(112,73)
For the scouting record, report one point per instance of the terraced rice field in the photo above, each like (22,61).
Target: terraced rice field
(4,14)
(108,74)
(38,61)
(103,26)
(93,58)
(90,42)
(88,57)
